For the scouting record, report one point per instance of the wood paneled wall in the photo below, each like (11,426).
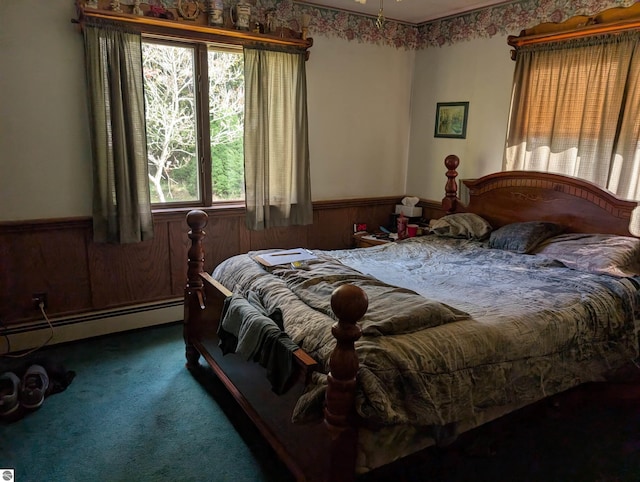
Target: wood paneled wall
(58,257)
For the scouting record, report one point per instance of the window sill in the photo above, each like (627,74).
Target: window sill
(218,210)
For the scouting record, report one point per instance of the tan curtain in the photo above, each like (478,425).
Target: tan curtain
(276,150)
(121,201)
(576,111)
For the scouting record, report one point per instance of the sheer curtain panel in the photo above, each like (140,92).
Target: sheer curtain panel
(276,149)
(576,111)
(121,202)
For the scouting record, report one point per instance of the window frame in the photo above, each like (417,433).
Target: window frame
(203,137)
(201,36)
(202,148)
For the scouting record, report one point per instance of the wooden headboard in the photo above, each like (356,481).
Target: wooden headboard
(512,196)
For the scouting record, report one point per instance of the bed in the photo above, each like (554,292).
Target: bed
(527,291)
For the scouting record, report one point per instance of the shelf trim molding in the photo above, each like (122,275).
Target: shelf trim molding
(182,29)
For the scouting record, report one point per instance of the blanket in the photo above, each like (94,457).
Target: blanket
(392,310)
(535,328)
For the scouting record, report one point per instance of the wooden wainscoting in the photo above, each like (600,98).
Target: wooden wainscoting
(59,258)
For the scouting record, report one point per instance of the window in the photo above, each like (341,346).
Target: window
(194,102)
(163,96)
(574,111)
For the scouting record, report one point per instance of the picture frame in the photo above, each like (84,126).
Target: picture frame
(451,119)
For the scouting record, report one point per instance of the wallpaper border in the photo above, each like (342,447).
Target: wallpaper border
(505,19)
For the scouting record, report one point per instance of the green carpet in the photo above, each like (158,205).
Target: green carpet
(133,412)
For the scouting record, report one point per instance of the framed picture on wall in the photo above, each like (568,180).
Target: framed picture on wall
(451,119)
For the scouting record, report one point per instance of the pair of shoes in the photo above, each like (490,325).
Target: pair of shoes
(33,387)
(9,383)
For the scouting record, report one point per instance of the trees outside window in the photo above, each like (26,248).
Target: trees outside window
(194,158)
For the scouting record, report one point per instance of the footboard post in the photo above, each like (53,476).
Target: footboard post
(349,303)
(194,290)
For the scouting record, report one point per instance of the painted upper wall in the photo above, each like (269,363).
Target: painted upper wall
(359,99)
(45,163)
(479,72)
(371,119)
(358,103)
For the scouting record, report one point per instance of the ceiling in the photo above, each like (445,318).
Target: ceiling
(408,11)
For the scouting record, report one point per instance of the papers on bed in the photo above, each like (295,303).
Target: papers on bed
(287,256)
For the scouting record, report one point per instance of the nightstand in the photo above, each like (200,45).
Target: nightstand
(366,240)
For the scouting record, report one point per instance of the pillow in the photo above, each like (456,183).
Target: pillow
(461,225)
(595,253)
(523,237)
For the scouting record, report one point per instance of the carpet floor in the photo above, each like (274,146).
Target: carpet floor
(133,412)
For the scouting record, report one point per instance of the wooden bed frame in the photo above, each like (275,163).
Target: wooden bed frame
(328,451)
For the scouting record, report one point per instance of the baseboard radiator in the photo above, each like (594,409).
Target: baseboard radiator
(28,336)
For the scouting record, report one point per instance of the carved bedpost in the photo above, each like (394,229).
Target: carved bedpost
(194,292)
(349,303)
(450,201)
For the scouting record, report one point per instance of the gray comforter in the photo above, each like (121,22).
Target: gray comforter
(504,330)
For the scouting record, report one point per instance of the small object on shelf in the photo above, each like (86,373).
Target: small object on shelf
(137,10)
(306,18)
(115,6)
(241,15)
(188,9)
(270,20)
(215,11)
(158,11)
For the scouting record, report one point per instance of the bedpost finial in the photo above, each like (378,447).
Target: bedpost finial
(349,303)
(452,162)
(197,219)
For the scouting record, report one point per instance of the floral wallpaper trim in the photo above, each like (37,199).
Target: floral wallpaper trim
(506,19)
(509,19)
(344,24)
(324,21)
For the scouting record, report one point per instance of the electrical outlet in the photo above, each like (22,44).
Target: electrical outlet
(38,298)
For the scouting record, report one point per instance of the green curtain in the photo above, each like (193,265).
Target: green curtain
(276,148)
(121,201)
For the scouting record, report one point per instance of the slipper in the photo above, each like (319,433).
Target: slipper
(9,383)
(34,386)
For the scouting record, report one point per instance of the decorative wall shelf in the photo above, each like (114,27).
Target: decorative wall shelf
(195,29)
(613,20)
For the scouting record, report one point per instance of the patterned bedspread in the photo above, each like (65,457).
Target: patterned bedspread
(525,327)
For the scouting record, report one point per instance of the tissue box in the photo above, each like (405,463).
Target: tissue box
(409,211)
